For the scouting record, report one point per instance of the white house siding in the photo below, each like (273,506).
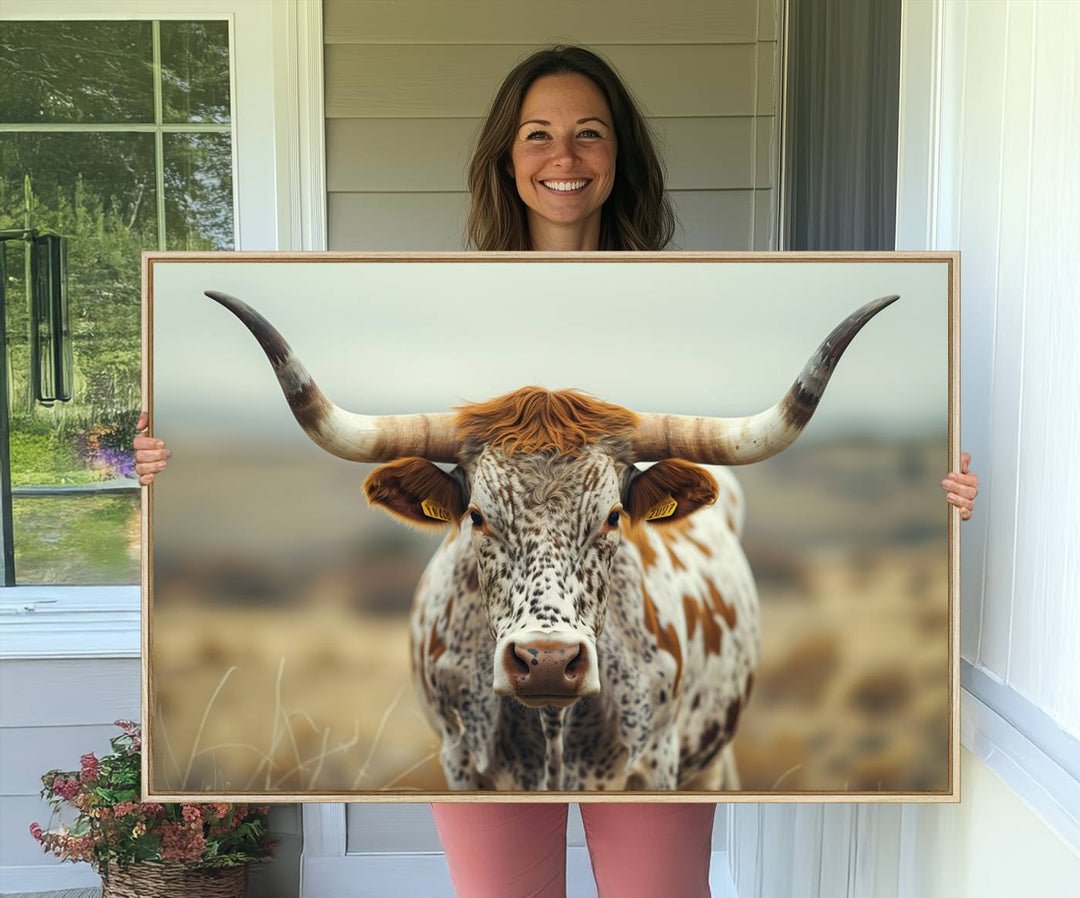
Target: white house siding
(408,83)
(1003,187)
(53,711)
(1013,82)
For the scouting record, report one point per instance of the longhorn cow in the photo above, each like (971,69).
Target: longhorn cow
(579,627)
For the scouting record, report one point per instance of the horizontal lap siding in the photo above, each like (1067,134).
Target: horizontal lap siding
(408,83)
(525,22)
(63,693)
(52,713)
(707,219)
(460,80)
(425,155)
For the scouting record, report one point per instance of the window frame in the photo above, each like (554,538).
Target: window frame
(279,203)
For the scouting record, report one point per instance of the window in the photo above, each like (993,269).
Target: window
(117,136)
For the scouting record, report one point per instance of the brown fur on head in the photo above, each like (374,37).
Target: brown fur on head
(689,485)
(533,419)
(403,486)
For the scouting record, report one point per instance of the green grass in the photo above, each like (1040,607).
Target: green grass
(84,540)
(42,459)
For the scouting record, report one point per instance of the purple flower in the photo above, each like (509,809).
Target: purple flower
(118,462)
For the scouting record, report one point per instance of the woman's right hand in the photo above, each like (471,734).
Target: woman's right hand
(150,453)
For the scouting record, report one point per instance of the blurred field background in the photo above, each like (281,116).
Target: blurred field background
(280,663)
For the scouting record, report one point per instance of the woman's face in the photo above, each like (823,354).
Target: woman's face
(563,155)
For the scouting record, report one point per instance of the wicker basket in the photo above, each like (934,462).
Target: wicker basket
(149,880)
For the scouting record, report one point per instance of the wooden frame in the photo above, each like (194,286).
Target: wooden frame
(932,283)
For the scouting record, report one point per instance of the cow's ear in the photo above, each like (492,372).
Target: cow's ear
(416,491)
(669,491)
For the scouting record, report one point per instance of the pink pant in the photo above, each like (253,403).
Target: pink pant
(519,850)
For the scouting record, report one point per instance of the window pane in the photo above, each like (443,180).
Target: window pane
(98,191)
(195,72)
(80,183)
(76,72)
(84,540)
(198,192)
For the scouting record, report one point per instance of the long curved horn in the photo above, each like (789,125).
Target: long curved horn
(345,434)
(742,441)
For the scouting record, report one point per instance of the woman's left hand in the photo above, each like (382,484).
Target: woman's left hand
(961,489)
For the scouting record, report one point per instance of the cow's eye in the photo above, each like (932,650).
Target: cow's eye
(477,518)
(613,519)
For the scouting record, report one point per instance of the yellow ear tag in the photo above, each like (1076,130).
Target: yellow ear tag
(434,511)
(662,509)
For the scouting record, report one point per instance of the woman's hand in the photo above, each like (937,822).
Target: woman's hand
(961,489)
(150,453)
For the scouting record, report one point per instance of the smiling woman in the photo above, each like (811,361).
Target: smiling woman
(562,117)
(563,160)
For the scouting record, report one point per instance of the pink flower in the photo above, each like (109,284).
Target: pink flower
(153,809)
(36,831)
(181,842)
(123,808)
(65,788)
(192,813)
(89,768)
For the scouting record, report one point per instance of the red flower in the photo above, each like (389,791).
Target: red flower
(89,768)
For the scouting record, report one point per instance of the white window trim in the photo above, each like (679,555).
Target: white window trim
(280,200)
(1034,757)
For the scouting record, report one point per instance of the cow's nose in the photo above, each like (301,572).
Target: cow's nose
(537,669)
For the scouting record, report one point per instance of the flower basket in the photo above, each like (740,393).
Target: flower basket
(173,881)
(149,849)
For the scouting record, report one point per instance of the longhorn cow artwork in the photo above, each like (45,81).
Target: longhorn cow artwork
(589,621)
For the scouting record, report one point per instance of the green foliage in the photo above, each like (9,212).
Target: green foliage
(103,289)
(41,458)
(114,827)
(99,189)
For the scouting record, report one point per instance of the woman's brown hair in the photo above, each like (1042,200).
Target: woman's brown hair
(637,214)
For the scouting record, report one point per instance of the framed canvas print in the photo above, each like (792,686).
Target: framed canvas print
(610,526)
